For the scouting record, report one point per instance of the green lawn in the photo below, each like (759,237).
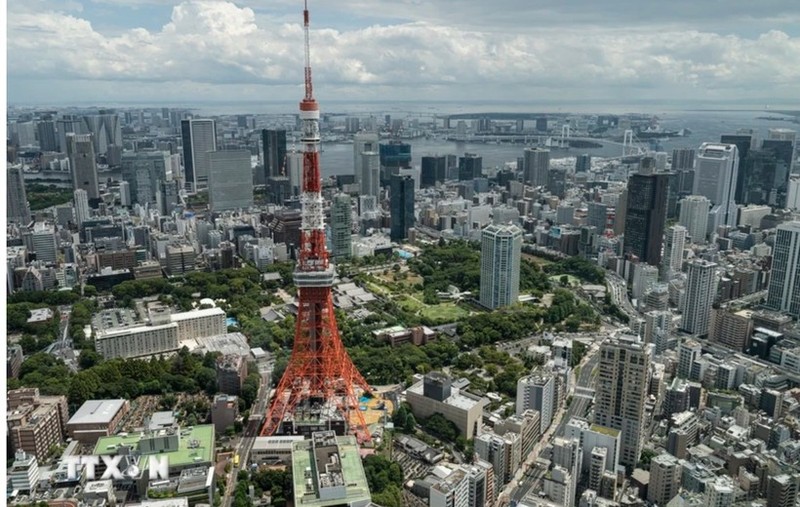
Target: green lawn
(444,312)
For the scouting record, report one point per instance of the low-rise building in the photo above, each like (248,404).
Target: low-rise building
(436,394)
(35,423)
(97,418)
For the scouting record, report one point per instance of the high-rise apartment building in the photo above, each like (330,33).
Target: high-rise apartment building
(784,281)
(342,226)
(401,196)
(199,138)
(537,392)
(716,176)
(694,216)
(47,135)
(273,145)
(674,243)
(501,254)
(622,391)
(536,166)
(80,149)
(701,290)
(665,479)
(44,242)
(17,207)
(689,352)
(645,216)
(230,180)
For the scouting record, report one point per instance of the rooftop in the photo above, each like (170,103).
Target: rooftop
(611,432)
(195,442)
(97,412)
(355,488)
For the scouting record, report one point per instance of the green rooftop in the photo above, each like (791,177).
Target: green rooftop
(185,455)
(352,470)
(611,432)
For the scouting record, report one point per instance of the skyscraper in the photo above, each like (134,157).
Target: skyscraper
(369,174)
(80,150)
(433,170)
(583,163)
(199,137)
(363,141)
(66,125)
(701,290)
(674,243)
(536,166)
(689,351)
(501,252)
(694,216)
(44,242)
(342,226)
(470,166)
(622,391)
(230,180)
(142,171)
(17,207)
(273,143)
(784,281)
(105,129)
(401,196)
(715,178)
(743,143)
(645,216)
(47,135)
(537,392)
(81,202)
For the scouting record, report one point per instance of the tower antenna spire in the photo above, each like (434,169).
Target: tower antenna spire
(309,87)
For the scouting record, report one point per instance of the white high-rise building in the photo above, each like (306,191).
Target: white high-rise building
(644,277)
(715,178)
(657,323)
(230,180)
(124,193)
(674,243)
(537,392)
(81,201)
(688,353)
(793,194)
(452,491)
(665,479)
(501,253)
(701,290)
(105,129)
(369,174)
(784,281)
(622,391)
(363,142)
(694,216)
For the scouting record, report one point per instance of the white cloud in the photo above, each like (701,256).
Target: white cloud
(215,49)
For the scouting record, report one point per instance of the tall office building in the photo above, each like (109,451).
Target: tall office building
(694,216)
(682,159)
(342,226)
(665,479)
(645,216)
(44,242)
(622,391)
(674,243)
(68,124)
(81,203)
(784,281)
(368,175)
(470,166)
(230,180)
(793,193)
(433,170)
(17,207)
(701,290)
(80,150)
(47,135)
(273,144)
(536,166)
(716,176)
(142,171)
(105,129)
(537,392)
(583,163)
(199,137)
(743,144)
(401,196)
(501,252)
(363,141)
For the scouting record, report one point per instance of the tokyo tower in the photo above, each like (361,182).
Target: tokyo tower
(318,390)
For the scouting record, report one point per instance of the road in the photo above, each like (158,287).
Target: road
(62,347)
(619,295)
(245,444)
(525,483)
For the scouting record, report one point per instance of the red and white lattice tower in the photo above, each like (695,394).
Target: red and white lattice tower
(319,387)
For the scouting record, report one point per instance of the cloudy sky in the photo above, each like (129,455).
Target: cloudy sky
(570,51)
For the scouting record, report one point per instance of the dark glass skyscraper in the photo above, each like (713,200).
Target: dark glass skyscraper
(645,216)
(433,170)
(273,143)
(743,143)
(470,166)
(401,200)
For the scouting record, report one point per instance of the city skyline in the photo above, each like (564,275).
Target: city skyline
(137,50)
